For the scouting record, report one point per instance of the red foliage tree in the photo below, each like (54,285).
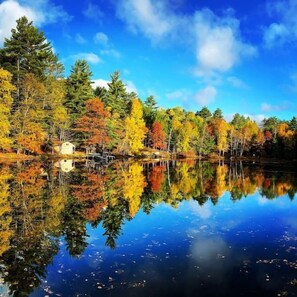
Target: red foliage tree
(158,136)
(156,178)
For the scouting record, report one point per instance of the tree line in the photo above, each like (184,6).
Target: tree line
(40,109)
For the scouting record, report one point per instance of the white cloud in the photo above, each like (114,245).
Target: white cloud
(40,12)
(266,107)
(219,44)
(181,94)
(108,48)
(130,86)
(153,19)
(258,118)
(100,83)
(101,38)
(93,12)
(206,95)
(111,52)
(275,34)
(79,39)
(284,28)
(90,57)
(236,82)
(216,40)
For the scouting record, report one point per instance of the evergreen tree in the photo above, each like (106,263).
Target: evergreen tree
(26,51)
(100,92)
(117,98)
(204,113)
(293,124)
(149,111)
(218,113)
(79,88)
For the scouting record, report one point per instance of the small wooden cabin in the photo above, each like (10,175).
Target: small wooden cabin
(66,148)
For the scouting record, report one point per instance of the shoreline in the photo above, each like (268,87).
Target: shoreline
(13,157)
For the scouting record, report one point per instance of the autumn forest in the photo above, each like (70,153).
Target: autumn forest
(40,109)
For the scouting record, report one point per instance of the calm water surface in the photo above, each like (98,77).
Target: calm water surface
(132,229)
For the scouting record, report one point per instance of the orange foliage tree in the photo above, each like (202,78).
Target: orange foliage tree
(157,177)
(93,123)
(158,136)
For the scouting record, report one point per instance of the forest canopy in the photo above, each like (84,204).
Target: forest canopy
(40,108)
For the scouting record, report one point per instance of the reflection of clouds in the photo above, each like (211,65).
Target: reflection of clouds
(207,250)
(262,200)
(203,211)
(281,202)
(213,257)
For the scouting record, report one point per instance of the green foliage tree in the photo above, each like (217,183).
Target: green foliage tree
(293,124)
(204,113)
(78,88)
(101,93)
(117,98)
(149,111)
(218,113)
(26,51)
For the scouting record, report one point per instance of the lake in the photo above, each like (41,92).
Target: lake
(180,228)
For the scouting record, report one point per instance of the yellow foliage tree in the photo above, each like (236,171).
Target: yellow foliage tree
(222,129)
(135,128)
(134,183)
(6,100)
(29,116)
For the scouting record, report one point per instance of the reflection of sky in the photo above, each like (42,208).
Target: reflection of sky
(193,251)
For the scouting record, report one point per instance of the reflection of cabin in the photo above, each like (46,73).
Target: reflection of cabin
(66,148)
(65,165)
(91,152)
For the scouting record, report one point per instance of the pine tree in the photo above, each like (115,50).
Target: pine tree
(218,113)
(149,111)
(26,51)
(117,98)
(204,113)
(100,92)
(79,88)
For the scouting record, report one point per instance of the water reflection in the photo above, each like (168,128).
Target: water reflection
(40,204)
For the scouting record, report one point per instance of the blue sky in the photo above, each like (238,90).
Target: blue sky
(239,56)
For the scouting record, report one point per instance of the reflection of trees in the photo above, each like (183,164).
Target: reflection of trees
(5,210)
(112,221)
(74,227)
(38,204)
(134,183)
(29,247)
(26,261)
(90,191)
